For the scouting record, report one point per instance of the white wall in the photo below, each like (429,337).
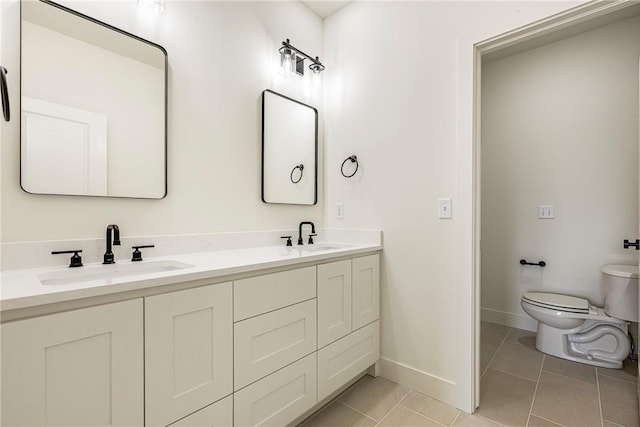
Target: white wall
(222,55)
(390,98)
(559,127)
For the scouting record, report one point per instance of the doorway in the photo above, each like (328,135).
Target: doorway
(535,154)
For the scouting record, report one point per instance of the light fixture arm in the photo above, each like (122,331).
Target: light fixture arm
(315,66)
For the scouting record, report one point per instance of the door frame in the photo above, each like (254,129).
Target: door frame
(471,48)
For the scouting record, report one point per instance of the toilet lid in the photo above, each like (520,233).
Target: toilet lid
(626,271)
(557,302)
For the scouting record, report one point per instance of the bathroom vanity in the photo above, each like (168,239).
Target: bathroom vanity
(262,341)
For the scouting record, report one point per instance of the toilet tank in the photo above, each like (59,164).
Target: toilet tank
(620,285)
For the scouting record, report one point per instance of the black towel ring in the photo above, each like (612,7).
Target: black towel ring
(354,159)
(301,167)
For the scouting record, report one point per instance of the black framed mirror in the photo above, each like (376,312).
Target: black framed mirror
(289,150)
(93,107)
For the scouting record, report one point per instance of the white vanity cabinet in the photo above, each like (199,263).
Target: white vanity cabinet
(256,350)
(275,347)
(365,290)
(348,297)
(268,292)
(76,368)
(334,301)
(266,343)
(279,398)
(188,351)
(348,326)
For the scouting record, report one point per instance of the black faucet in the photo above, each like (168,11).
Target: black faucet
(313,230)
(108,255)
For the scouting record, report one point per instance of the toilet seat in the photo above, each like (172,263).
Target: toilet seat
(557,302)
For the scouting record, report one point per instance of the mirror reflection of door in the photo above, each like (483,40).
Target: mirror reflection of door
(71,142)
(93,107)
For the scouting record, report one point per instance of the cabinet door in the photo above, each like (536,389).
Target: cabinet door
(268,342)
(334,301)
(366,290)
(278,399)
(188,351)
(219,414)
(78,368)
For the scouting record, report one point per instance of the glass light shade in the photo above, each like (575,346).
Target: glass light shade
(287,62)
(316,78)
(155,6)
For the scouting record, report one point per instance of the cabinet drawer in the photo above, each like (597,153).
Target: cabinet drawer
(279,398)
(219,414)
(188,351)
(261,294)
(366,290)
(266,343)
(346,358)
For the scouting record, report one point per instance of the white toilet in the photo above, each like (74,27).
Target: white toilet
(571,328)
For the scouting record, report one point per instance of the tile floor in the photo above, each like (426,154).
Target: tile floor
(519,387)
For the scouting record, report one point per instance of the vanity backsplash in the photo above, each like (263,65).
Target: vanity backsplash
(22,255)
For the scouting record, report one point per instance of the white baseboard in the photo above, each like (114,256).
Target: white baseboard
(513,320)
(424,382)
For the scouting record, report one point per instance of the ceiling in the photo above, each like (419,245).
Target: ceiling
(324,8)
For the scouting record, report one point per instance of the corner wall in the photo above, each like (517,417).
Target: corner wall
(559,127)
(222,55)
(391,99)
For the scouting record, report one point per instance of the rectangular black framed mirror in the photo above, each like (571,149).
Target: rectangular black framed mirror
(289,150)
(93,107)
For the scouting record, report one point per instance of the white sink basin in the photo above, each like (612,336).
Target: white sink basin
(111,271)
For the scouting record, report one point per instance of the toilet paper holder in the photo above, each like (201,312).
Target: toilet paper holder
(539,264)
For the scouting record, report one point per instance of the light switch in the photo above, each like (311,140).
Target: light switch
(546,212)
(339,210)
(444,208)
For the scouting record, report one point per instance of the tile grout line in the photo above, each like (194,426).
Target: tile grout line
(394,407)
(571,378)
(456,417)
(515,375)
(496,353)
(599,398)
(535,391)
(493,421)
(319,411)
(619,379)
(552,373)
(354,409)
(421,415)
(548,420)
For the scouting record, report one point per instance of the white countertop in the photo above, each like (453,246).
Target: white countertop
(24,288)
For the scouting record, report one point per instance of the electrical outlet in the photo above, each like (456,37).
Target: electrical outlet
(546,212)
(339,210)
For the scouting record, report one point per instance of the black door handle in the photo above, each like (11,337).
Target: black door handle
(4,92)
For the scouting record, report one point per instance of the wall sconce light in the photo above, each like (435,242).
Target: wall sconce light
(292,60)
(155,6)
